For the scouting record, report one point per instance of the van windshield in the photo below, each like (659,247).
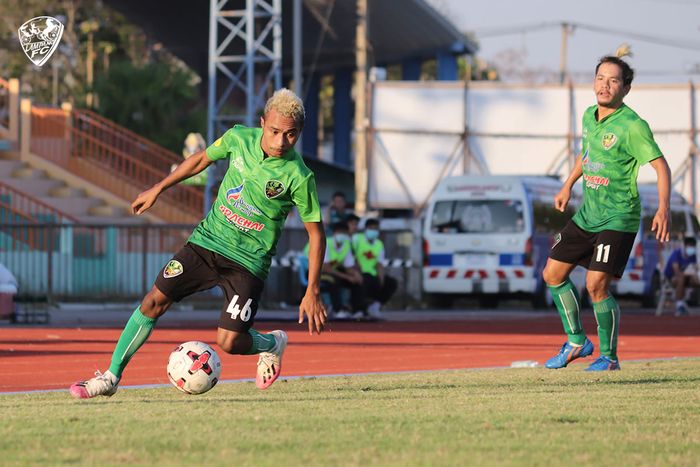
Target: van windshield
(478,216)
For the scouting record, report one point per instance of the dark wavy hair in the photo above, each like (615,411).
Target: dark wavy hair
(627,71)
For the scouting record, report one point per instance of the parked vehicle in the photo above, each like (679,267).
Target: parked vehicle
(644,271)
(489,237)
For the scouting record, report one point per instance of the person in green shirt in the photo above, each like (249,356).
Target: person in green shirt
(340,273)
(370,255)
(600,236)
(233,246)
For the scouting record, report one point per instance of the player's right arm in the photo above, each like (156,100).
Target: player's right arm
(190,167)
(561,200)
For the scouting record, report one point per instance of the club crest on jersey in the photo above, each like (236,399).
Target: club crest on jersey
(172,269)
(233,194)
(273,188)
(609,139)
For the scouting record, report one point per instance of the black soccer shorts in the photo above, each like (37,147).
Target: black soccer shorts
(606,251)
(195,268)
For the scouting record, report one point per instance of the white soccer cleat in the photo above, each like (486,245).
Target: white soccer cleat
(103,384)
(270,363)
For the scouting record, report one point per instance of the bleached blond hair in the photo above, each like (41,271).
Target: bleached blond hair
(287,104)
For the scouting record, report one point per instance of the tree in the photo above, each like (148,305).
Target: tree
(156,100)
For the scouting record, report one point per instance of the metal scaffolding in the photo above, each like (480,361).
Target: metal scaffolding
(245,56)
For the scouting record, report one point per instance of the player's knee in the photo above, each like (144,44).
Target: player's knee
(597,289)
(154,304)
(552,277)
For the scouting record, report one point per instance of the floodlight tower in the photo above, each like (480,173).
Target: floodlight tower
(245,58)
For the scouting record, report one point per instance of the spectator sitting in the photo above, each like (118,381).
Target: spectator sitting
(353,225)
(369,252)
(340,272)
(337,210)
(681,270)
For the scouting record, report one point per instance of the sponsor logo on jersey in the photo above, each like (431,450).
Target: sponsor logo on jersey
(217,143)
(609,140)
(234,196)
(234,193)
(172,269)
(241,222)
(237,162)
(595,181)
(245,208)
(273,188)
(589,165)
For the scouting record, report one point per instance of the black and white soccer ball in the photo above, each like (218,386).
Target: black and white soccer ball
(194,367)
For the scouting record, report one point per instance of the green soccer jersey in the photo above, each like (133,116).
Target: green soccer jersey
(254,198)
(613,150)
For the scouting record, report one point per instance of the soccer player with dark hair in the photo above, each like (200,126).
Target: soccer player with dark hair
(615,143)
(233,246)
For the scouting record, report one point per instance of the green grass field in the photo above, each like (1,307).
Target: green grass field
(647,414)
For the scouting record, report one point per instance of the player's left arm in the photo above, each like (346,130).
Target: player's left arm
(312,305)
(305,198)
(642,146)
(662,220)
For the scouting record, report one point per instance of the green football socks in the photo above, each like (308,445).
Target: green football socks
(607,315)
(566,299)
(261,342)
(135,333)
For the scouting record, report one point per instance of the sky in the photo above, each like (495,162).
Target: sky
(527,33)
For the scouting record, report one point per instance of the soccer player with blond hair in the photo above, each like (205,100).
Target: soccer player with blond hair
(233,246)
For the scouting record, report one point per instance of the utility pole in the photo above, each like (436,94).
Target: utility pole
(297,64)
(89,27)
(361,109)
(565,30)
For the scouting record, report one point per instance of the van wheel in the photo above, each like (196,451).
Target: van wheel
(652,297)
(437,300)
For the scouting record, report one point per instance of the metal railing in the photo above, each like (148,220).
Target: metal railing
(64,262)
(87,262)
(112,158)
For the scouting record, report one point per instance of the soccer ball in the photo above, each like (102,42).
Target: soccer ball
(194,367)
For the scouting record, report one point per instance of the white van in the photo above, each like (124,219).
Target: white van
(489,237)
(643,274)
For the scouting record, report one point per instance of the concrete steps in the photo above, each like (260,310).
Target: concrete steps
(57,193)
(39,187)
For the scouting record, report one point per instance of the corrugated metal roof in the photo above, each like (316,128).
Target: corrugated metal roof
(398,29)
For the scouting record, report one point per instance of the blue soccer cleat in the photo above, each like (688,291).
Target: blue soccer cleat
(604,364)
(569,353)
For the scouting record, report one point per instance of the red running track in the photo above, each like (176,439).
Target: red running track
(52,358)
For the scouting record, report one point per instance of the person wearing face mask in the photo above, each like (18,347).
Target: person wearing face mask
(681,270)
(339,272)
(369,251)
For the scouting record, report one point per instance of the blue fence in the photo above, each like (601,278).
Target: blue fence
(70,262)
